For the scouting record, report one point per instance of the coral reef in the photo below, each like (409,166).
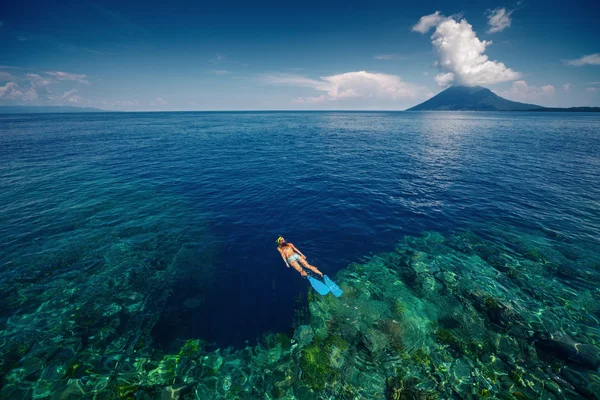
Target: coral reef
(457,315)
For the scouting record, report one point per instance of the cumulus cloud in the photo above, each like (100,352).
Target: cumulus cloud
(591,90)
(350,85)
(461,57)
(67,76)
(548,89)
(444,79)
(160,101)
(13,92)
(521,91)
(498,19)
(567,87)
(590,59)
(34,88)
(427,22)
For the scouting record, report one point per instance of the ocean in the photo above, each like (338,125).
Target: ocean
(138,255)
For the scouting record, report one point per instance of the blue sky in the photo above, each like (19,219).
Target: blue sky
(295,55)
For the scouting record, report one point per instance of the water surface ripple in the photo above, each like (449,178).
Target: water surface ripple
(222,186)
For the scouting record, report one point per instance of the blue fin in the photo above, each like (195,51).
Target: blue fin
(335,289)
(319,286)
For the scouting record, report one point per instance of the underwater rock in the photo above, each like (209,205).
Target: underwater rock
(446,337)
(173,392)
(274,354)
(29,370)
(398,388)
(303,392)
(584,381)
(498,313)
(316,367)
(42,389)
(304,335)
(213,361)
(284,377)
(336,357)
(374,340)
(567,349)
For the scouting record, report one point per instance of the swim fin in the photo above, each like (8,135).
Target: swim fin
(335,289)
(319,286)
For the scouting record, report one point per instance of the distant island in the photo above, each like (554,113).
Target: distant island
(478,98)
(46,109)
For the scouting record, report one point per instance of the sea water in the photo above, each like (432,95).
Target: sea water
(138,255)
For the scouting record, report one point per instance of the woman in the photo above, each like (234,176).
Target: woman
(294,257)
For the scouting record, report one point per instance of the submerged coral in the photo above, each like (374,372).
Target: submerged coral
(442,316)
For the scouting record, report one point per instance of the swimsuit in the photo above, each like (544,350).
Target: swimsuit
(293,257)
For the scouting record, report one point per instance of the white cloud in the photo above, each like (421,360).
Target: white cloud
(67,76)
(5,76)
(567,87)
(13,92)
(10,89)
(548,89)
(590,59)
(350,85)
(21,38)
(160,101)
(69,93)
(291,80)
(71,96)
(38,80)
(220,72)
(498,19)
(461,53)
(427,22)
(591,90)
(391,56)
(521,91)
(444,79)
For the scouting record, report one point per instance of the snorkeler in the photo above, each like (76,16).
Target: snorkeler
(294,257)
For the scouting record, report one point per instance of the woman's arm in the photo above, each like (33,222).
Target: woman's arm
(284,258)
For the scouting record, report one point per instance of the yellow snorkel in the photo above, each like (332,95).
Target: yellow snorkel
(279,240)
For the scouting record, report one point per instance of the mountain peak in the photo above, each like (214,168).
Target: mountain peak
(471,98)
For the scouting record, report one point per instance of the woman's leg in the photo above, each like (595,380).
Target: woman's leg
(312,268)
(297,267)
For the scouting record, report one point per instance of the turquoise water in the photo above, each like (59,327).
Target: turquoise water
(138,257)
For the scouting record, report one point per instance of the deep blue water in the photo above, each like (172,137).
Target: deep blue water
(208,193)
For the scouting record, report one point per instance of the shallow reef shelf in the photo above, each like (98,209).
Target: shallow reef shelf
(508,315)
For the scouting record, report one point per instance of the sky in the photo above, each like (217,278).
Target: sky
(306,55)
